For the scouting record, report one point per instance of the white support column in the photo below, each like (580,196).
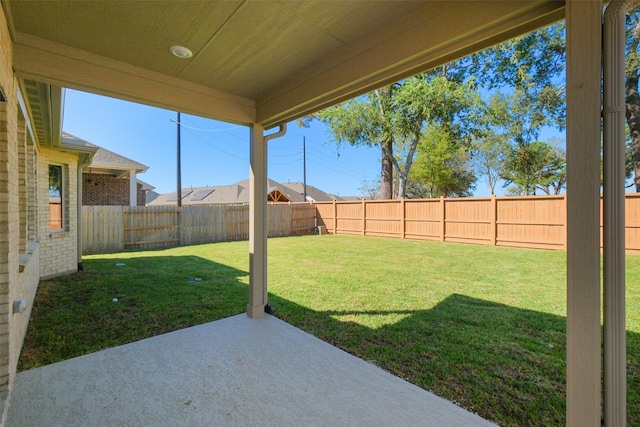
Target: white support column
(257,223)
(614,150)
(133,188)
(584,42)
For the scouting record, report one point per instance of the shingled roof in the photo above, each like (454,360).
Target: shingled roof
(106,161)
(239,193)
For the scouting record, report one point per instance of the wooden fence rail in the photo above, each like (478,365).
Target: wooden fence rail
(116,228)
(529,222)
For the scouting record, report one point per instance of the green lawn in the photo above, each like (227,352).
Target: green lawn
(478,325)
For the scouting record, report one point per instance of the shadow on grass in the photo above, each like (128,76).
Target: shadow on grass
(506,364)
(119,300)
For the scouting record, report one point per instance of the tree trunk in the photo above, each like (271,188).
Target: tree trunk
(402,187)
(386,174)
(633,121)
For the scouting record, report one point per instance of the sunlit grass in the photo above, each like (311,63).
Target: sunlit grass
(479,325)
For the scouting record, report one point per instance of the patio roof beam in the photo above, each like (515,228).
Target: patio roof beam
(54,64)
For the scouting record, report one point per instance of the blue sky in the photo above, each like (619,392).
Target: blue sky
(217,153)
(213,153)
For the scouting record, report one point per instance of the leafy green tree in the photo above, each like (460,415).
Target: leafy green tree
(533,65)
(488,157)
(370,189)
(395,117)
(632,97)
(533,166)
(366,120)
(442,166)
(427,102)
(518,116)
(554,173)
(528,69)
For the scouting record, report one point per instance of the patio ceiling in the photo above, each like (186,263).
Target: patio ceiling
(264,62)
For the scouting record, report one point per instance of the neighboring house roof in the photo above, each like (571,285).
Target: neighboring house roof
(84,149)
(106,161)
(239,193)
(150,196)
(314,194)
(145,186)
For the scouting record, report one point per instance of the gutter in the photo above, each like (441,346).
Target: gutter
(283,129)
(281,132)
(613,113)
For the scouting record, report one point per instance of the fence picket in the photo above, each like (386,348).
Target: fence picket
(116,228)
(531,222)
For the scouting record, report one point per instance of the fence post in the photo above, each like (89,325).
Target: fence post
(403,225)
(442,219)
(180,224)
(124,228)
(335,218)
(290,218)
(564,216)
(364,218)
(494,220)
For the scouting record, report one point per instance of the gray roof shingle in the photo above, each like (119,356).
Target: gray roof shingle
(239,193)
(106,159)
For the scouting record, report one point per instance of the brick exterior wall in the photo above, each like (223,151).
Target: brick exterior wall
(28,250)
(58,248)
(15,282)
(9,216)
(106,190)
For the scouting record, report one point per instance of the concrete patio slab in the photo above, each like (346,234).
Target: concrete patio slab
(233,372)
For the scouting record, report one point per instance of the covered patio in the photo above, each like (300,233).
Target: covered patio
(263,64)
(233,372)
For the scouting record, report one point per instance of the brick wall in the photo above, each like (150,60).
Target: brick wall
(14,284)
(22,182)
(106,190)
(28,258)
(58,248)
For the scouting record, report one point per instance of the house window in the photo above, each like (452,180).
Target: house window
(56,197)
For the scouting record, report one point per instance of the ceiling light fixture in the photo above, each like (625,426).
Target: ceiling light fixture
(181,52)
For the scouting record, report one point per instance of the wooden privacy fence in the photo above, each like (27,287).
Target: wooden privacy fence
(530,222)
(116,228)
(55,215)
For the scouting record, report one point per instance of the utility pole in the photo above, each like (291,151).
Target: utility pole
(179,183)
(304,167)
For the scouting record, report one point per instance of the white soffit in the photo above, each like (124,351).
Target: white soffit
(253,61)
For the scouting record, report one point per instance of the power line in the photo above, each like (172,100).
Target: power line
(285,163)
(217,147)
(337,170)
(228,134)
(204,130)
(334,162)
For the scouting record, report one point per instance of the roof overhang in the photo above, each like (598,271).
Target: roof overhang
(266,62)
(85,152)
(118,171)
(44,106)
